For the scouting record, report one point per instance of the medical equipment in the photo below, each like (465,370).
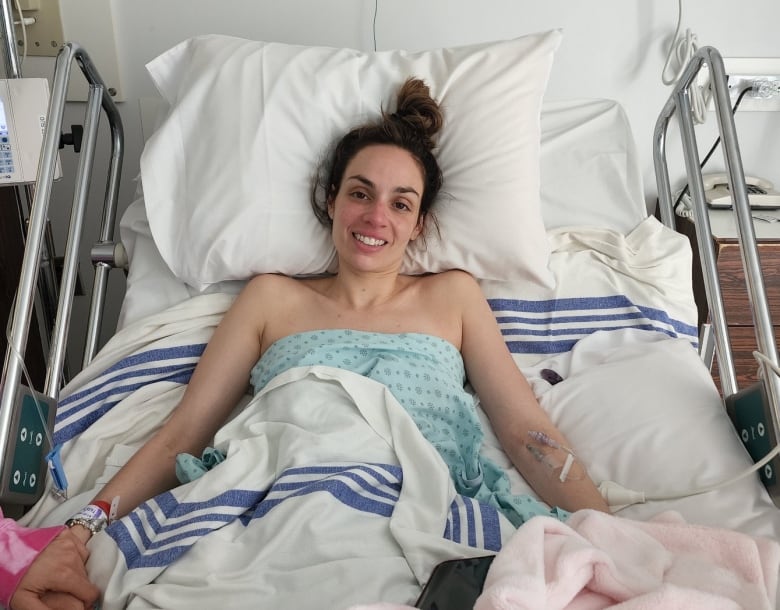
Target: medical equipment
(560,461)
(24,468)
(750,410)
(23,110)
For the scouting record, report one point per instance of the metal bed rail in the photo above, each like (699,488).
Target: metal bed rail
(679,103)
(11,381)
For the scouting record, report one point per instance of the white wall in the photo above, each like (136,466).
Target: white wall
(611,48)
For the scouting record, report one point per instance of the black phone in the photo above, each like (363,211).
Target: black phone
(455,584)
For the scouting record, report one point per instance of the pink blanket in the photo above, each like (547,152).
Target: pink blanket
(595,560)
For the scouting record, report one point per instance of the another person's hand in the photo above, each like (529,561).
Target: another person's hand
(63,601)
(57,578)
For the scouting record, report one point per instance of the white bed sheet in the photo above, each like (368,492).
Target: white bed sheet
(590,177)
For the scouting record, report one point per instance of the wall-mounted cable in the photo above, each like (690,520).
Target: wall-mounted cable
(23,25)
(684,48)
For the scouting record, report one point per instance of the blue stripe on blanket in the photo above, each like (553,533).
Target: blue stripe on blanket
(78,411)
(162,529)
(553,326)
(368,488)
(473,523)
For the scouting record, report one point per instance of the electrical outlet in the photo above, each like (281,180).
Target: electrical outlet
(45,36)
(90,23)
(764,94)
(761,74)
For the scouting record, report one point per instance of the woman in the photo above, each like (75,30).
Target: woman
(377,197)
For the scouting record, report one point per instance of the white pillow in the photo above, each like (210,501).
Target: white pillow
(589,166)
(640,409)
(227,175)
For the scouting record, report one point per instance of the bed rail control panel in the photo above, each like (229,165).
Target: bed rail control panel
(749,410)
(24,106)
(23,468)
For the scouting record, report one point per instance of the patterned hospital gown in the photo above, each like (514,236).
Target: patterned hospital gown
(426,375)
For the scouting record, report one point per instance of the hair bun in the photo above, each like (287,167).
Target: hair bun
(419,110)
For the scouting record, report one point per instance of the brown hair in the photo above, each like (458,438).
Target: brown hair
(413,127)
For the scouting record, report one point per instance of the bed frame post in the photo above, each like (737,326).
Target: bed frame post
(11,387)
(679,102)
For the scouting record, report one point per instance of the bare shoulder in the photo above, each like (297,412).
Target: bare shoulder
(267,281)
(274,286)
(455,295)
(454,283)
(262,292)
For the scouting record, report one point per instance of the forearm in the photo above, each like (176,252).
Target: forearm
(215,388)
(151,471)
(212,393)
(147,474)
(539,452)
(550,466)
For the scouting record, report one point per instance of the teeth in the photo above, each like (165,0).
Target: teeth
(369,241)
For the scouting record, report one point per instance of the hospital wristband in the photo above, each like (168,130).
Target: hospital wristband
(105,506)
(92,517)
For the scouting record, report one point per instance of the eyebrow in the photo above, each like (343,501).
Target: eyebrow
(368,183)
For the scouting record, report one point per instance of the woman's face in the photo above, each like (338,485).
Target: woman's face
(376,211)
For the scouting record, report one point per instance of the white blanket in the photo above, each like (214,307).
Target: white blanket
(329,494)
(605,281)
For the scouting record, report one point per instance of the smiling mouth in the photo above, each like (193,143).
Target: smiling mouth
(369,241)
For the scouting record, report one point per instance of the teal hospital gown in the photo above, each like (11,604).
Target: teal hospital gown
(426,375)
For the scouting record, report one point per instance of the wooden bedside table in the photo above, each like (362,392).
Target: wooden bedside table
(732,281)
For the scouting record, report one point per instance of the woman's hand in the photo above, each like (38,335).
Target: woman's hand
(57,578)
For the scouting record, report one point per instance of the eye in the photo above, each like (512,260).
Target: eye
(358,195)
(402,205)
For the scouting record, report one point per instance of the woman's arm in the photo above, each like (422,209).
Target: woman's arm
(511,406)
(217,384)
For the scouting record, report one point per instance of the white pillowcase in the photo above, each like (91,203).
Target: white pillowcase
(227,175)
(640,409)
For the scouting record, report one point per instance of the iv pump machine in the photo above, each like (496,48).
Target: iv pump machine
(24,105)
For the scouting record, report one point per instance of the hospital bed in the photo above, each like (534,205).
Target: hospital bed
(330,507)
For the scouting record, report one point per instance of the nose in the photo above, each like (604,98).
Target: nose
(376,212)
